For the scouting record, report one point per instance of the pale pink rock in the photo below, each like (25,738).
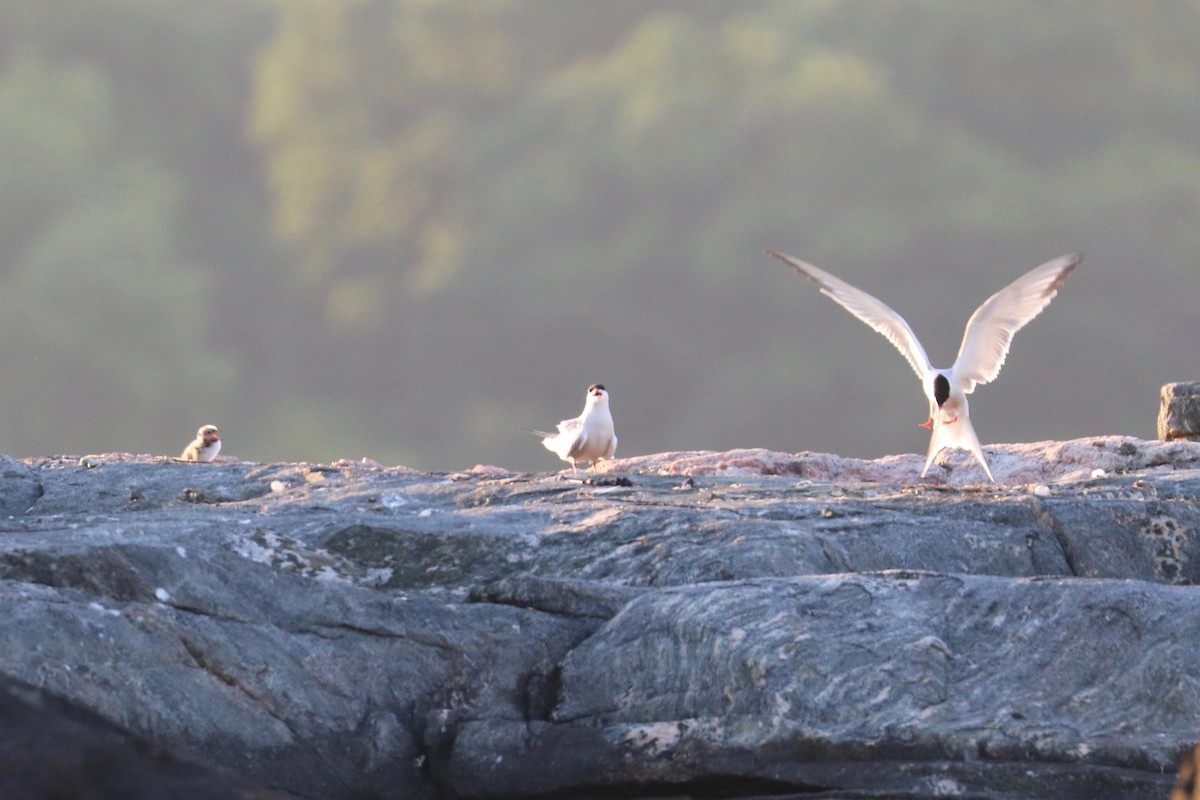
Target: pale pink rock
(363,463)
(1012,464)
(488,469)
(400,469)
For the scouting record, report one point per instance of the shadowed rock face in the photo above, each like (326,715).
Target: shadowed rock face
(53,749)
(1179,412)
(689,625)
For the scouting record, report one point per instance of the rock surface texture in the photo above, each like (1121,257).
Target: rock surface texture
(1179,412)
(690,625)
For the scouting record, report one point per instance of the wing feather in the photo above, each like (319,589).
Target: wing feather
(578,444)
(990,330)
(871,310)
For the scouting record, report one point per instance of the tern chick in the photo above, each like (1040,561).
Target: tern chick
(984,345)
(588,437)
(205,446)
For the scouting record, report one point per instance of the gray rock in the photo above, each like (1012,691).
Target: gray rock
(53,749)
(1179,412)
(19,487)
(356,632)
(949,680)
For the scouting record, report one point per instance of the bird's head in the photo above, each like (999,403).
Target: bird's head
(597,394)
(941,389)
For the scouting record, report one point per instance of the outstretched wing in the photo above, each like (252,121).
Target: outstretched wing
(869,309)
(991,328)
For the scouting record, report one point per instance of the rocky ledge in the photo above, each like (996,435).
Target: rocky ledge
(703,625)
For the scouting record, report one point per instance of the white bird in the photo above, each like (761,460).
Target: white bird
(588,437)
(984,345)
(205,446)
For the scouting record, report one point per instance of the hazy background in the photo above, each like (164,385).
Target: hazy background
(406,230)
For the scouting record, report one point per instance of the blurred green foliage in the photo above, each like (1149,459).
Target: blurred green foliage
(405,230)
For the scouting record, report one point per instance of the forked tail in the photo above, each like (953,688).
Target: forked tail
(959,434)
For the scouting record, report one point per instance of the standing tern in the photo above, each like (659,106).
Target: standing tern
(588,437)
(984,346)
(205,446)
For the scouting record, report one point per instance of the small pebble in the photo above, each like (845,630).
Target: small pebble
(1042,490)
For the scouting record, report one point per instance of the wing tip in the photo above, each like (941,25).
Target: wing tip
(1070,262)
(778,255)
(794,263)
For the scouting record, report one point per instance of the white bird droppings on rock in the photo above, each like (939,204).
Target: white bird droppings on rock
(393,501)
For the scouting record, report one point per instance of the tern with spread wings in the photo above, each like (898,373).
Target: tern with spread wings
(984,346)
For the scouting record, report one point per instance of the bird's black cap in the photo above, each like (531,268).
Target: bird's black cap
(941,389)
